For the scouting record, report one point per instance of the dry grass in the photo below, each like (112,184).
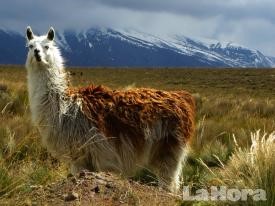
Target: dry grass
(237,101)
(252,168)
(23,162)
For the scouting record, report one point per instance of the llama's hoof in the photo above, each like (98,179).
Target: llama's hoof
(71,196)
(70,175)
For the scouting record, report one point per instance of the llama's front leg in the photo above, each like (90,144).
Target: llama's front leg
(75,168)
(78,165)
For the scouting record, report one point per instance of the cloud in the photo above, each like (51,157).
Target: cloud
(247,22)
(256,33)
(201,8)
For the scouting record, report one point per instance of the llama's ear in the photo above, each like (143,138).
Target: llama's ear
(29,33)
(50,35)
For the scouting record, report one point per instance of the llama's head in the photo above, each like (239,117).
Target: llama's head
(43,52)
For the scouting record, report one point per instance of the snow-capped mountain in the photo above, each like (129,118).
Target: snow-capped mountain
(129,48)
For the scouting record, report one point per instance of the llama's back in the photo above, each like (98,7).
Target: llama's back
(136,112)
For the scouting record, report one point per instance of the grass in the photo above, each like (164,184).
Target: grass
(23,162)
(253,167)
(230,102)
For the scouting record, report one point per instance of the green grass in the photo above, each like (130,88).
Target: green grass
(230,102)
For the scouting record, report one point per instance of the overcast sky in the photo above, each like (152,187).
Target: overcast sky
(248,22)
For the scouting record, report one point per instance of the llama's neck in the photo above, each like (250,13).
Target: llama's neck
(47,92)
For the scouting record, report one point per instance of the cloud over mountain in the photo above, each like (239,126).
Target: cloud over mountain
(248,22)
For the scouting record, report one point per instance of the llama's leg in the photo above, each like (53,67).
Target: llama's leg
(80,164)
(167,164)
(77,166)
(175,183)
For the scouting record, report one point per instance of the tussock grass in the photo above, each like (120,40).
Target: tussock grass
(247,168)
(253,167)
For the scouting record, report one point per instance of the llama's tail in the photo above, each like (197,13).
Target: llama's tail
(190,99)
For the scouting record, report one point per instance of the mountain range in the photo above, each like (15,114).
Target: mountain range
(131,48)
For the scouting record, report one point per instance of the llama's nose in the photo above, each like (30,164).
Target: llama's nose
(36,54)
(36,51)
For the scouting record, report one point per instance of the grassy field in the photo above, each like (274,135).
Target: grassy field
(232,105)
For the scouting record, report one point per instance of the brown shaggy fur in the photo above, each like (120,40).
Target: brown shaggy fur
(131,111)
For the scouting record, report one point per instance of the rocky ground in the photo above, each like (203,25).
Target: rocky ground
(89,188)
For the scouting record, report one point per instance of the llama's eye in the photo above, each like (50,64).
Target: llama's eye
(30,46)
(46,47)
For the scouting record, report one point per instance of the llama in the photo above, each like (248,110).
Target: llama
(100,129)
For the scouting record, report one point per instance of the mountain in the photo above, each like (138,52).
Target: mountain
(129,48)
(12,47)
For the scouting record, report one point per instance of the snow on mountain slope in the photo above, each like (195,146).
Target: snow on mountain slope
(109,47)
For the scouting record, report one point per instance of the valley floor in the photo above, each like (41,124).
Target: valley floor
(232,105)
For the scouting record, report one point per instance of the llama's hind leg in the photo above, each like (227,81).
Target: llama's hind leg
(176,178)
(167,164)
